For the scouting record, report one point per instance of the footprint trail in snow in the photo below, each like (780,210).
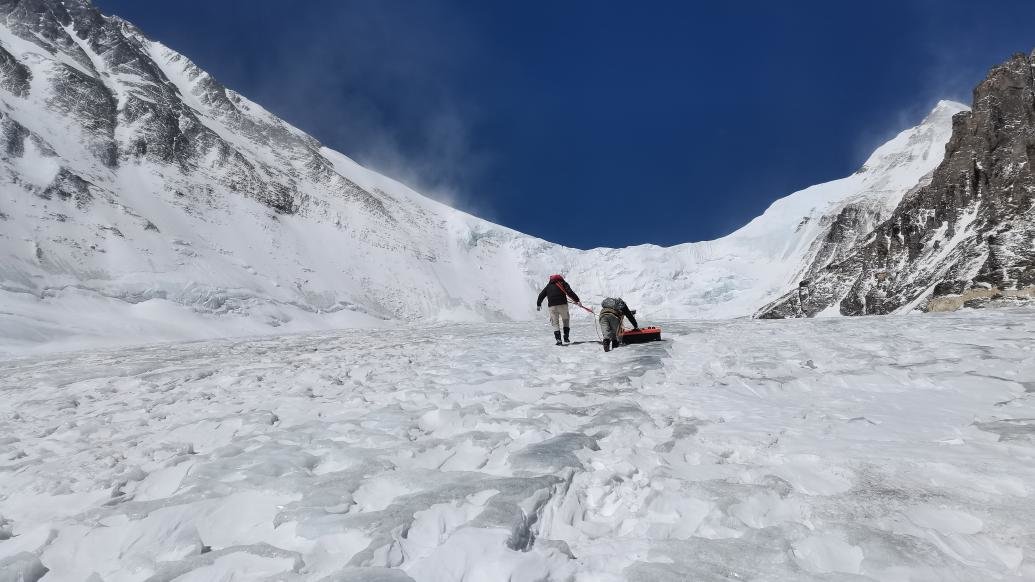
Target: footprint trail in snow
(897,448)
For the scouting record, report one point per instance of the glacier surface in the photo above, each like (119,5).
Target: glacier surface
(891,448)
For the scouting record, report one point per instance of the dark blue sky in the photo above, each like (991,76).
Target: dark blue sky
(598,123)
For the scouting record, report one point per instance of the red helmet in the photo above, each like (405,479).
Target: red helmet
(555,278)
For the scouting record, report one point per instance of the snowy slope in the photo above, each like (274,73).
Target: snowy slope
(801,451)
(141,200)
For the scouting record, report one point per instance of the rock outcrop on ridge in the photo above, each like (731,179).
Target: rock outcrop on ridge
(966,236)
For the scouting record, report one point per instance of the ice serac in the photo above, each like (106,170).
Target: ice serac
(963,238)
(140,200)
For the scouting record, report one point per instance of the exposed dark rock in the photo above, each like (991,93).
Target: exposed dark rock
(14,76)
(950,288)
(68,186)
(12,137)
(114,231)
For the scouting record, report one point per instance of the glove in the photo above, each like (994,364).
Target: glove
(538,307)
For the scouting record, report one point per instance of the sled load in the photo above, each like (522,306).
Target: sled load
(641,335)
(614,311)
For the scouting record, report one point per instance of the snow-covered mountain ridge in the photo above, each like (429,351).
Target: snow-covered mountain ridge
(141,198)
(964,238)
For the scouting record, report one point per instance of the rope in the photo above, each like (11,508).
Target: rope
(593,316)
(596,324)
(588,310)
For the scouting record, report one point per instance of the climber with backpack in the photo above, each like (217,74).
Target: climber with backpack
(613,311)
(557,293)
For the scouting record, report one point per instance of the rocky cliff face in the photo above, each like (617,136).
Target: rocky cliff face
(968,233)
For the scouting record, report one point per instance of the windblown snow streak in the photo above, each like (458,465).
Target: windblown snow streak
(746,450)
(140,198)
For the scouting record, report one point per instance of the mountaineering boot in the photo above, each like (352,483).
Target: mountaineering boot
(607,344)
(557,336)
(566,331)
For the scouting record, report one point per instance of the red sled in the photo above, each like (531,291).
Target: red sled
(643,335)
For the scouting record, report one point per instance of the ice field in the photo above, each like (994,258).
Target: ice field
(898,448)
